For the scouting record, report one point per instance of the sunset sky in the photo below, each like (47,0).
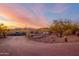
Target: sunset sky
(36,15)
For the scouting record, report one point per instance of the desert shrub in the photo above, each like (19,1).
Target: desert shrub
(68,32)
(43,30)
(3,30)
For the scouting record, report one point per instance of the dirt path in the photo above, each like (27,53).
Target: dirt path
(19,45)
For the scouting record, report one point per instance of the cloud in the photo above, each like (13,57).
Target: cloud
(38,10)
(59,8)
(22,15)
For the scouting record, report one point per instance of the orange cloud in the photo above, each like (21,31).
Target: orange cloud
(23,16)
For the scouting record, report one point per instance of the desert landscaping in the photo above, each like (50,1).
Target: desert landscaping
(62,38)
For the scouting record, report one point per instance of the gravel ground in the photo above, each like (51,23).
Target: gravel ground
(21,46)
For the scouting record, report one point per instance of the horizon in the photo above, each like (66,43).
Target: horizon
(36,15)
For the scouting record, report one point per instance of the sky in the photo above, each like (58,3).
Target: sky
(36,15)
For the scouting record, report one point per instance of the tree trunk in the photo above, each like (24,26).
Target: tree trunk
(4,35)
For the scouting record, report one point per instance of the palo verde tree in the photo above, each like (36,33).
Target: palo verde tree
(64,27)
